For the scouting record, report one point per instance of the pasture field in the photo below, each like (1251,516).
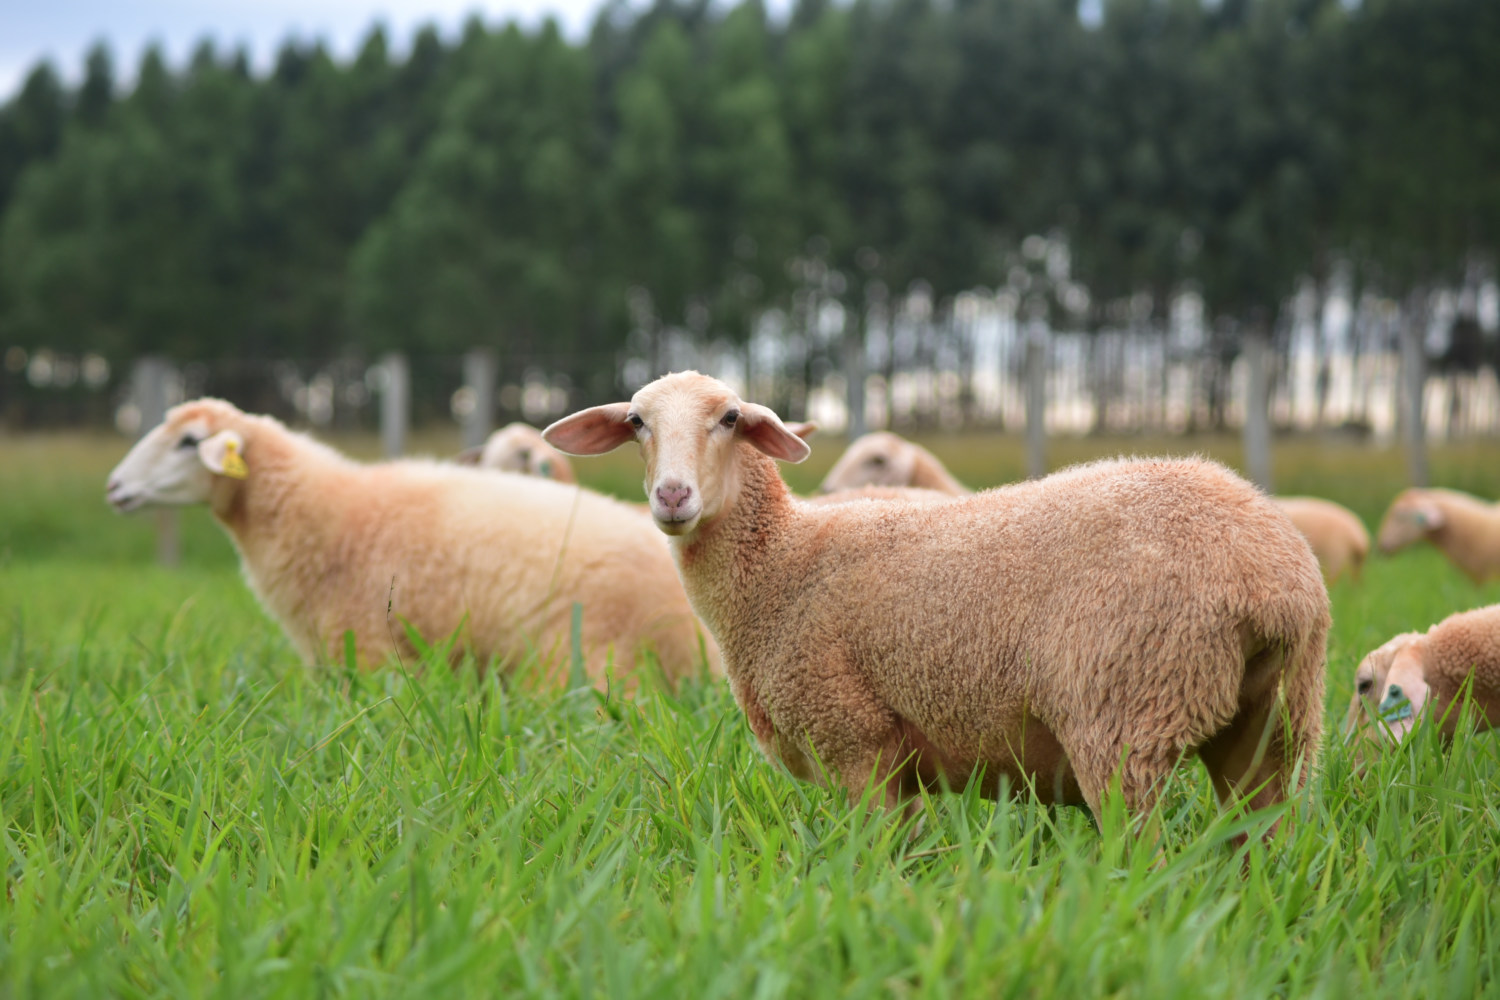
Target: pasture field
(187,811)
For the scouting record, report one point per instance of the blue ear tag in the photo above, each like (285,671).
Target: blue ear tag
(1395,707)
(545,468)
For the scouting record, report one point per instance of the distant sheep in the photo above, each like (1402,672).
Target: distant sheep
(1124,610)
(1417,674)
(1336,534)
(885,459)
(1464,527)
(325,542)
(519,448)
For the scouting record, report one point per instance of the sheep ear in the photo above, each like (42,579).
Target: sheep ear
(469,456)
(1429,515)
(593,431)
(803,430)
(223,454)
(763,428)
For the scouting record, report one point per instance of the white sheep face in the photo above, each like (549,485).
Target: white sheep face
(520,448)
(1390,687)
(687,425)
(173,465)
(1411,518)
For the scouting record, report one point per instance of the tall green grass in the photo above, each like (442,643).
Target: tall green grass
(185,810)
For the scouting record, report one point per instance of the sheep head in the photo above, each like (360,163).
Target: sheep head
(687,425)
(179,460)
(1390,687)
(520,448)
(876,459)
(1411,518)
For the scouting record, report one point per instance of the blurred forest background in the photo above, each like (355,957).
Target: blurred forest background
(868,210)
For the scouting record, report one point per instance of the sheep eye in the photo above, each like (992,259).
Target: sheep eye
(1365,685)
(877,459)
(730,418)
(636,421)
(188,441)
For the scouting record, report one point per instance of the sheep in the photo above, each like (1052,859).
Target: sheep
(909,494)
(1464,527)
(1416,673)
(885,459)
(1106,620)
(327,543)
(519,448)
(1336,534)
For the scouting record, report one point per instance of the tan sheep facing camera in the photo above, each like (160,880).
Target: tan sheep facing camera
(325,543)
(1417,675)
(1464,528)
(1044,632)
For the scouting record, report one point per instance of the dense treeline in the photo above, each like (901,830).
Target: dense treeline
(689,171)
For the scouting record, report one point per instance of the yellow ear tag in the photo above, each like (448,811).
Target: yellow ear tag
(234,465)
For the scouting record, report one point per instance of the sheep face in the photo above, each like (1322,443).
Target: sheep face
(1410,519)
(520,448)
(876,459)
(177,462)
(687,425)
(1390,687)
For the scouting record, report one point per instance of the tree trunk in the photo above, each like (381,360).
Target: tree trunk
(854,368)
(1413,380)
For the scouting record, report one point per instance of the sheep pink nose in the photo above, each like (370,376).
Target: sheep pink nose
(673,495)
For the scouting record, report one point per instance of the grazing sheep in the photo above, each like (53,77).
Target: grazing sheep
(1336,534)
(1464,527)
(326,542)
(885,459)
(1133,611)
(1417,673)
(519,448)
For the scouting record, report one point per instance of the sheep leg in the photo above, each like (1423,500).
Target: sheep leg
(1252,758)
(1141,771)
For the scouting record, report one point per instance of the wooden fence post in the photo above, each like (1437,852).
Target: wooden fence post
(1257,410)
(479,378)
(1036,401)
(1413,380)
(395,404)
(151,387)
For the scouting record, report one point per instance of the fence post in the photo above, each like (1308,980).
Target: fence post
(1257,410)
(151,385)
(854,369)
(1036,401)
(479,378)
(1413,380)
(395,404)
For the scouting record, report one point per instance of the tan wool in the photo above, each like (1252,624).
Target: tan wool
(1336,534)
(1136,610)
(1464,527)
(326,543)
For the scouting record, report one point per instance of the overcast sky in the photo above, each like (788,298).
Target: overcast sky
(63,30)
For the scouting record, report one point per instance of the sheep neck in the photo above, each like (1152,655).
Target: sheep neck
(269,515)
(1470,537)
(726,559)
